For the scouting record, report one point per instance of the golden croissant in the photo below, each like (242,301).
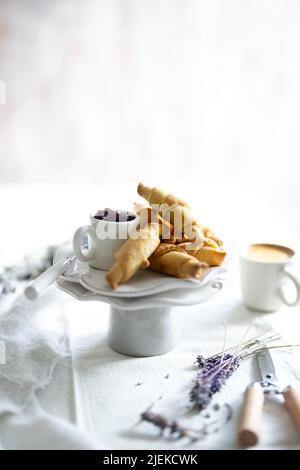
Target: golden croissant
(211,255)
(173,260)
(162,241)
(174,210)
(148,215)
(211,236)
(134,254)
(158,196)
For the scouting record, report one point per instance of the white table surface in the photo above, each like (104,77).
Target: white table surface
(95,387)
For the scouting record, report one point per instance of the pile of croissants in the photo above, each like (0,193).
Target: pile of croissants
(175,254)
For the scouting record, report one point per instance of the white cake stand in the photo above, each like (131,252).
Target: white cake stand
(143,320)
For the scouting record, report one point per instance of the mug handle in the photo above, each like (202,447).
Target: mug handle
(78,240)
(287,274)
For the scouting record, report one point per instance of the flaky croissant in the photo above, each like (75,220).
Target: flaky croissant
(148,215)
(211,236)
(173,260)
(213,256)
(134,254)
(158,196)
(176,211)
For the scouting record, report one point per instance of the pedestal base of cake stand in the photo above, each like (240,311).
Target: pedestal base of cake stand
(149,325)
(144,332)
(146,324)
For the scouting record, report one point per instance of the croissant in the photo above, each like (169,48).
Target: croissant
(210,240)
(211,255)
(158,196)
(211,236)
(176,211)
(173,260)
(134,254)
(148,215)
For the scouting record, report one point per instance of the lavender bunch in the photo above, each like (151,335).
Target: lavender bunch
(214,371)
(213,374)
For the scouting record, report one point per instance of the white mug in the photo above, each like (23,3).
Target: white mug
(262,282)
(104,239)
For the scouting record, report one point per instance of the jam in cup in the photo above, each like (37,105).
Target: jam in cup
(97,243)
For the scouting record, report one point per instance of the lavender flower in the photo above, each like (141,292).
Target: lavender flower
(165,424)
(214,371)
(170,428)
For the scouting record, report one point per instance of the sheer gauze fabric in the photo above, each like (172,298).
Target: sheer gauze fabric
(29,356)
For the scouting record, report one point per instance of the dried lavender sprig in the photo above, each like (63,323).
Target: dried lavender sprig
(212,376)
(224,342)
(253,345)
(254,342)
(261,345)
(236,351)
(251,342)
(215,370)
(213,365)
(176,430)
(279,346)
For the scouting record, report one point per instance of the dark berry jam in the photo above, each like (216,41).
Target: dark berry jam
(110,215)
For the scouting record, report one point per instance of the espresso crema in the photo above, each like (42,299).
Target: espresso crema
(267,253)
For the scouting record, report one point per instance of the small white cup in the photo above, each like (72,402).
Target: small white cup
(104,239)
(262,283)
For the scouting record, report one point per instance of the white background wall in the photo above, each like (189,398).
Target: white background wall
(154,90)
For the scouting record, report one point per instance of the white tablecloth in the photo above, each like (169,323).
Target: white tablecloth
(92,399)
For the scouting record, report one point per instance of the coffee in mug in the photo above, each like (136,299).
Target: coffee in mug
(264,270)
(266,253)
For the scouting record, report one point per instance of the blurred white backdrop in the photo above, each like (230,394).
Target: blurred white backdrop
(102,91)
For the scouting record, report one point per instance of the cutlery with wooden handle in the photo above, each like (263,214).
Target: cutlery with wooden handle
(251,416)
